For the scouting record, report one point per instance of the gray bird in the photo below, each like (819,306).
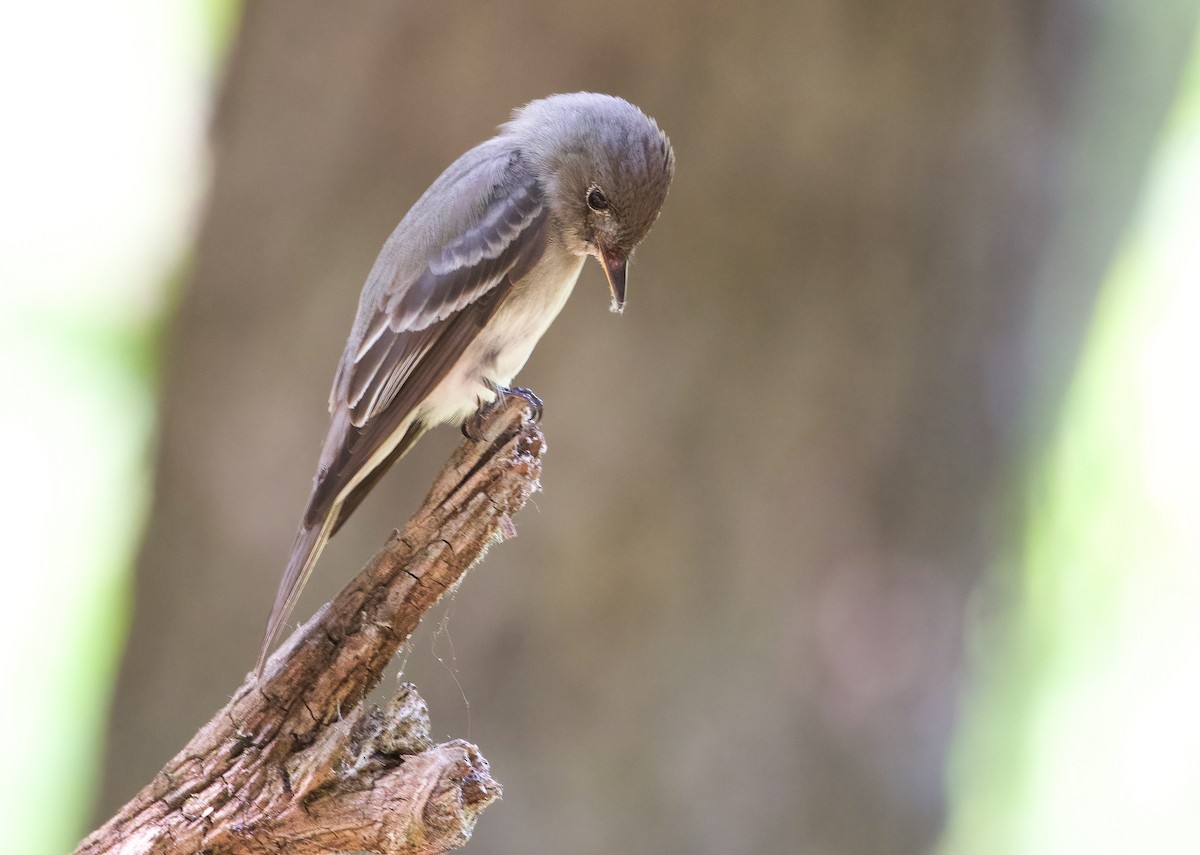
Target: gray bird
(467,284)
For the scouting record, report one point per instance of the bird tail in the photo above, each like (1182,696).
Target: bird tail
(330,504)
(310,540)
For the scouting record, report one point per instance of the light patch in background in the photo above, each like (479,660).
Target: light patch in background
(1083,735)
(101,167)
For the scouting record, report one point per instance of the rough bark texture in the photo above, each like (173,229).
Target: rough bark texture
(297,762)
(736,625)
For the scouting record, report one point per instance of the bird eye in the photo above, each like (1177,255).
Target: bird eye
(596,200)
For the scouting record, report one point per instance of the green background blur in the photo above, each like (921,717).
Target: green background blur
(1078,722)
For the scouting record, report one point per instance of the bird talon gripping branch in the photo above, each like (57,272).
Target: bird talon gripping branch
(536,407)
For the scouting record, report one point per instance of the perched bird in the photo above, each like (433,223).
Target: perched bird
(467,284)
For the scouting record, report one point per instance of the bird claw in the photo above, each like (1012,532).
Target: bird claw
(536,407)
(472,428)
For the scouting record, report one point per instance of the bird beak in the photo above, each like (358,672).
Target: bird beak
(614,263)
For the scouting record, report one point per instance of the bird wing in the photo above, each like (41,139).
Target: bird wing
(508,235)
(417,333)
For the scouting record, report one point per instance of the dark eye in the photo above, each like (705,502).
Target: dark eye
(596,200)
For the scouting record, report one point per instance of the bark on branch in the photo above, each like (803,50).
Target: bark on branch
(297,762)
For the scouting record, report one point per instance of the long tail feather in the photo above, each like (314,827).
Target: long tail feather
(323,517)
(310,540)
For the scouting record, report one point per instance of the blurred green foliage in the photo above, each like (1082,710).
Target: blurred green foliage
(90,238)
(1080,731)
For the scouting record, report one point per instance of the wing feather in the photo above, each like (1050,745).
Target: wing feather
(416,336)
(461,273)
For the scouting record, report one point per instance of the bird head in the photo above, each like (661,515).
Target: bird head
(606,168)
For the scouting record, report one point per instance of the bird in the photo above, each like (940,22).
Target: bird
(466,285)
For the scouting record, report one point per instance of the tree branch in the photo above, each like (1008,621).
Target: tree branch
(297,762)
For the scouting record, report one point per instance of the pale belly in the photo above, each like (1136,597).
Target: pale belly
(503,347)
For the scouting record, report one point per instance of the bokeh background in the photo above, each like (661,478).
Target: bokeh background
(869,528)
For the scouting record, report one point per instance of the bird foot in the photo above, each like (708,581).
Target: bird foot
(472,428)
(536,406)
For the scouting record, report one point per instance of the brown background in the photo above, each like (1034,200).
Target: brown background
(734,621)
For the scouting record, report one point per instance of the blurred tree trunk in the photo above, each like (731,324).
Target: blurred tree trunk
(845,336)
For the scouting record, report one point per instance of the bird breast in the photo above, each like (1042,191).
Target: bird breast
(504,345)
